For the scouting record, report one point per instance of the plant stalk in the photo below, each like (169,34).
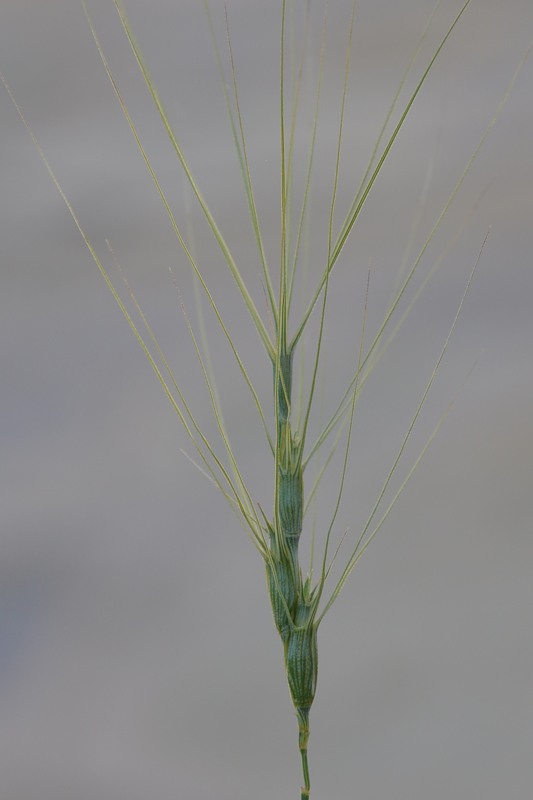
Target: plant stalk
(303,725)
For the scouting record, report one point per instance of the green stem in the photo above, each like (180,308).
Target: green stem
(303,724)
(306,790)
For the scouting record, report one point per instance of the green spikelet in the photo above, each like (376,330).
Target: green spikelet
(283,379)
(282,591)
(302,663)
(290,486)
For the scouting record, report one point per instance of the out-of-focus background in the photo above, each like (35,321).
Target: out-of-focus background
(138,658)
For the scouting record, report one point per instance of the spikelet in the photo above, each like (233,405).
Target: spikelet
(283,384)
(290,486)
(302,665)
(282,591)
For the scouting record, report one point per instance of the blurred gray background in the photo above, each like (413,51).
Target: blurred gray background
(138,658)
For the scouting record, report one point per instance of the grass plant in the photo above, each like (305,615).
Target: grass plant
(294,322)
